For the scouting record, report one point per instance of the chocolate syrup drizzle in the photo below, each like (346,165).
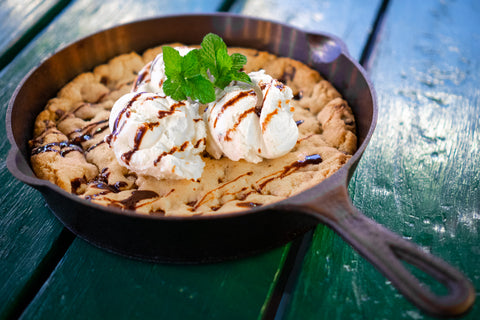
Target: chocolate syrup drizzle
(88,132)
(258,109)
(62,147)
(199,142)
(144,74)
(269,117)
(77,137)
(172,151)
(287,170)
(76,183)
(288,75)
(258,186)
(231,102)
(173,108)
(141,131)
(126,112)
(127,156)
(237,123)
(248,204)
(209,194)
(298,96)
(109,188)
(73,144)
(94,146)
(128,203)
(137,196)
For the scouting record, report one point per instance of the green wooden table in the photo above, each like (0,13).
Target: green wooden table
(419,176)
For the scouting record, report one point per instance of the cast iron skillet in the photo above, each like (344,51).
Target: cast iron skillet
(212,238)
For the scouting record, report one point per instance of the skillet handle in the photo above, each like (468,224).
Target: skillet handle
(386,251)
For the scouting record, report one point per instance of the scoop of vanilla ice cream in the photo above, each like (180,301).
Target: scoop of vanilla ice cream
(240,130)
(157,136)
(152,75)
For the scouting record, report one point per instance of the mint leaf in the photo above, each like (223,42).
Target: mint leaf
(211,44)
(207,50)
(208,54)
(201,89)
(174,88)
(190,64)
(224,64)
(196,74)
(238,61)
(223,81)
(241,76)
(223,67)
(172,60)
(224,61)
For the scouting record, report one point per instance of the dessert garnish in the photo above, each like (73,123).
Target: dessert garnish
(200,71)
(114,137)
(158,129)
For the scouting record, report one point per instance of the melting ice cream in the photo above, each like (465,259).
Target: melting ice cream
(238,129)
(154,135)
(157,136)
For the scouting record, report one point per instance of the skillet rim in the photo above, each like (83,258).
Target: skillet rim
(39,184)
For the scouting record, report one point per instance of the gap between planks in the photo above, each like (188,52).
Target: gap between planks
(19,44)
(285,286)
(289,275)
(41,274)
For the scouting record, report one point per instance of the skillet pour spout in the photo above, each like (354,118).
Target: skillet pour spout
(200,239)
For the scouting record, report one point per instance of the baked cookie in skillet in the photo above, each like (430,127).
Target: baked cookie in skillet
(68,146)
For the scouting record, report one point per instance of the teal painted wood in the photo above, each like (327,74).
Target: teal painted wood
(28,233)
(92,284)
(19,20)
(65,288)
(28,230)
(346,19)
(419,175)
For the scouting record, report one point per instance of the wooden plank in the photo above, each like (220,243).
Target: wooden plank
(16,17)
(29,232)
(419,175)
(19,22)
(332,17)
(99,285)
(212,300)
(345,19)
(75,255)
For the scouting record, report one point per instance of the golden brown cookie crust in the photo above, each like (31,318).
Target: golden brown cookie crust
(68,147)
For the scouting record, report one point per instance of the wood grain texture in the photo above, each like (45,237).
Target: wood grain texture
(86,14)
(410,180)
(92,284)
(19,18)
(28,230)
(346,19)
(419,175)
(28,233)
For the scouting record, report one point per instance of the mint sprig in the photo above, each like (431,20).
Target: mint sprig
(196,74)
